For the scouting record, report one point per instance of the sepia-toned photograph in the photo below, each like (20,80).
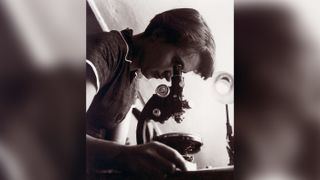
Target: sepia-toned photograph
(159,89)
(159,80)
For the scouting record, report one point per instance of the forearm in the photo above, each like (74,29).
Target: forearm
(151,159)
(102,153)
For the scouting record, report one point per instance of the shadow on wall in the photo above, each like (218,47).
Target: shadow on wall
(118,14)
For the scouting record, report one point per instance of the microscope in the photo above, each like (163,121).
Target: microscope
(165,103)
(169,102)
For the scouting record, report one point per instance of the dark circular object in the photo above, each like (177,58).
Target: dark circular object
(163,90)
(184,143)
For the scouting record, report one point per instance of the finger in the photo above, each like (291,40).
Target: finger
(171,155)
(162,163)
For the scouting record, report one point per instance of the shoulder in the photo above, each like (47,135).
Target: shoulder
(105,43)
(105,53)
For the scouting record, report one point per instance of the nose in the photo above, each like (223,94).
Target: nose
(167,75)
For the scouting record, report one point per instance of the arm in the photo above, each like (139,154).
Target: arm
(149,159)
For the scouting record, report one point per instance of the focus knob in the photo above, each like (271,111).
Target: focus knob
(163,90)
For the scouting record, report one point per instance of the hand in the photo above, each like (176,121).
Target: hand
(152,160)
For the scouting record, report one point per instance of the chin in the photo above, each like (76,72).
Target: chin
(146,75)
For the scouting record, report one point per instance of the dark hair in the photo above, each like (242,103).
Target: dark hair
(186,29)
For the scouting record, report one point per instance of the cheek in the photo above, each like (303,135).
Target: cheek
(157,58)
(157,61)
(164,59)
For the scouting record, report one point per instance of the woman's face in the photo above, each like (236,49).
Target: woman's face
(159,57)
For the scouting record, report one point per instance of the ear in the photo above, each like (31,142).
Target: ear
(158,35)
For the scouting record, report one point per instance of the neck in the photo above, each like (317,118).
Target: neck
(138,42)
